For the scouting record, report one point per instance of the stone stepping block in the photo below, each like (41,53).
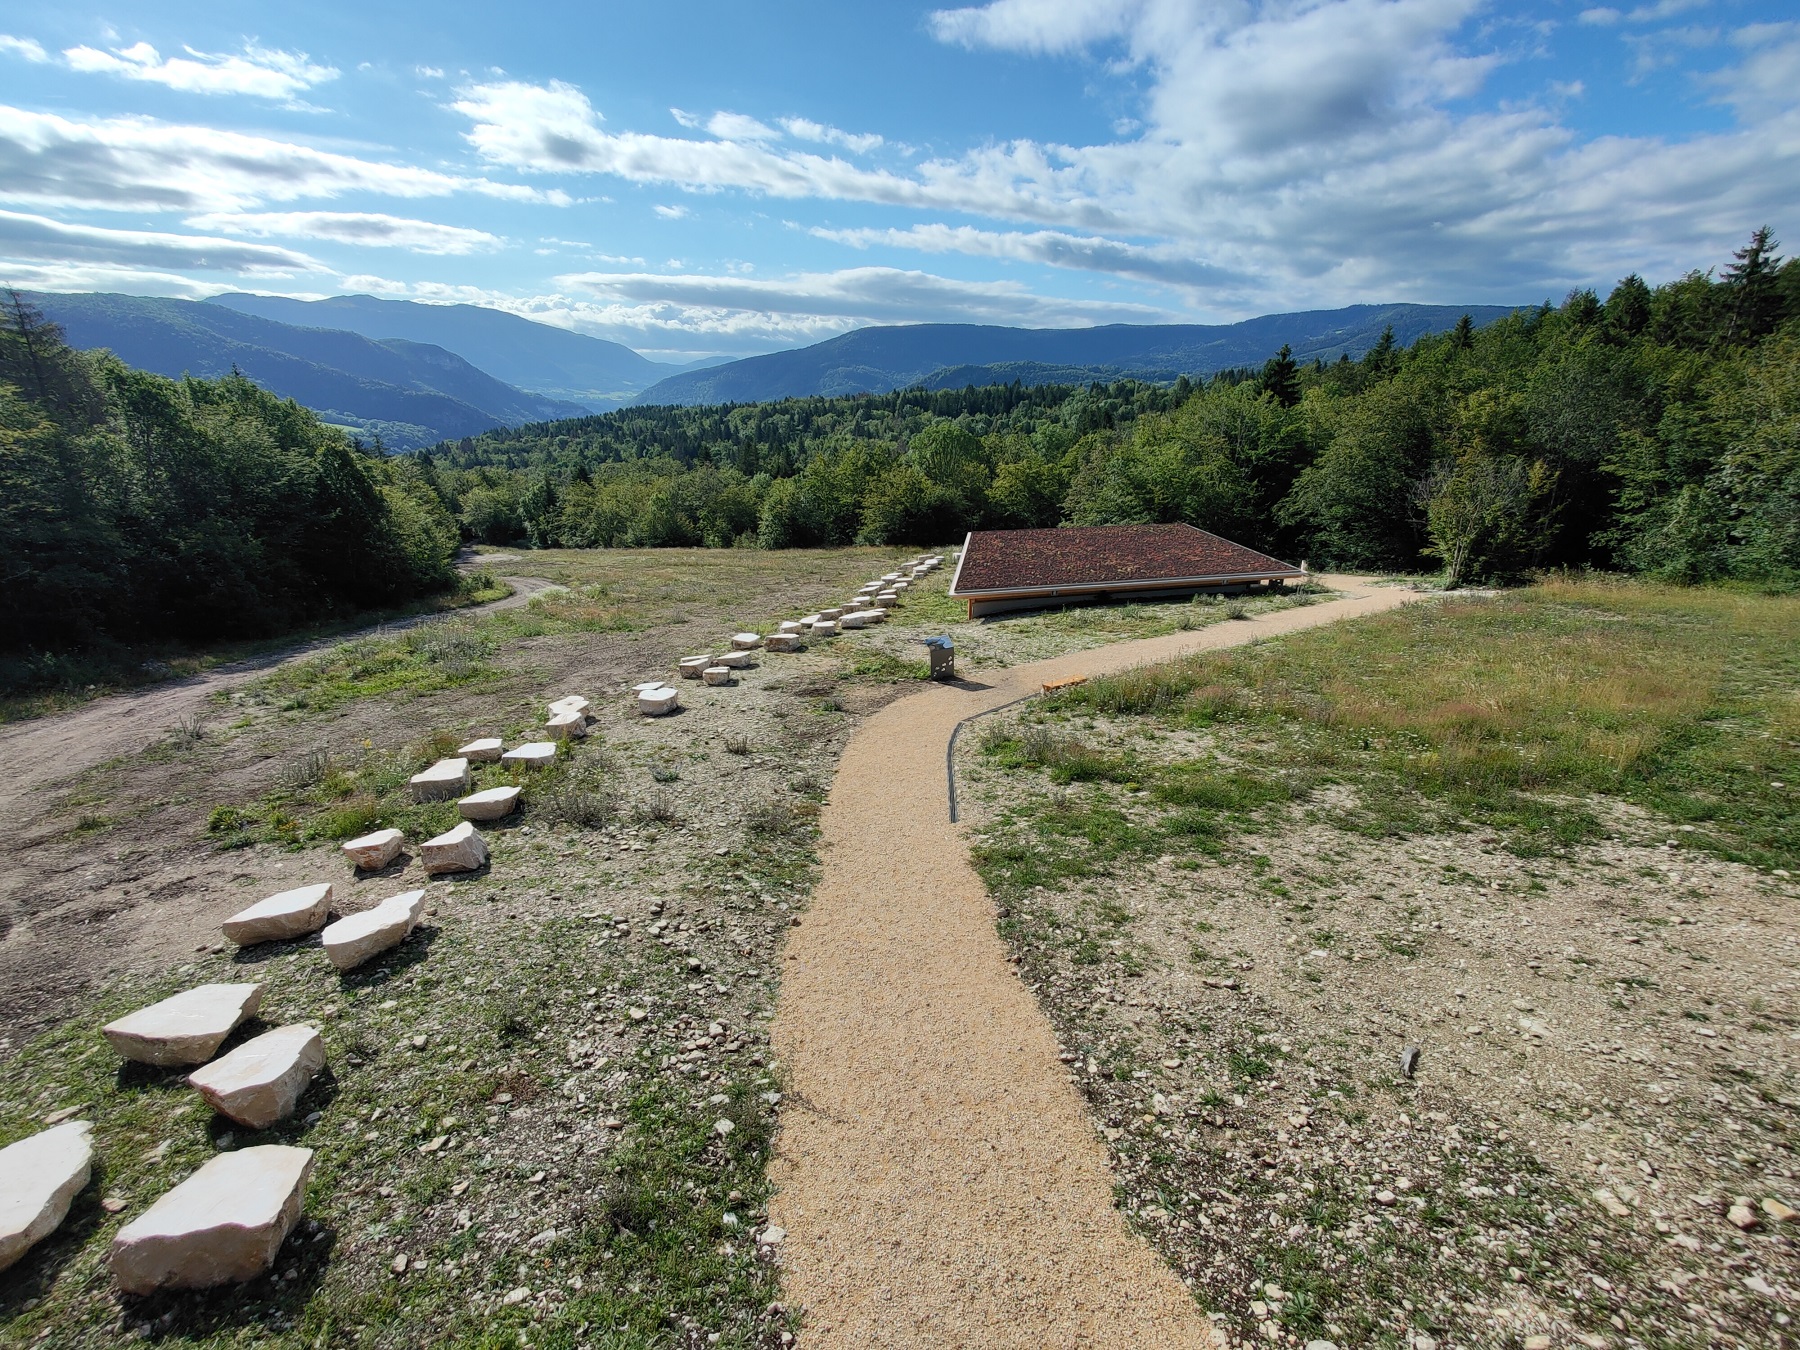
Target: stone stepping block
(789,626)
(810,619)
(825,628)
(458,849)
(39,1176)
(372,852)
(861,618)
(489,803)
(734,660)
(258,1083)
(691,666)
(835,613)
(659,702)
(567,725)
(484,751)
(900,587)
(187,1028)
(354,939)
(574,703)
(887,598)
(746,642)
(223,1225)
(446,778)
(784,642)
(291,914)
(716,675)
(533,754)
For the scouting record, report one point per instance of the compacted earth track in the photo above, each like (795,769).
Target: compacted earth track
(938,1179)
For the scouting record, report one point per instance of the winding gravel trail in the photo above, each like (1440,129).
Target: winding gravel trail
(46,750)
(938,1176)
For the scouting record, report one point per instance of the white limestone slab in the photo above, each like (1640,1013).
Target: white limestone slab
(648,684)
(810,619)
(186,1028)
(659,702)
(288,915)
(789,626)
(355,938)
(825,628)
(900,587)
(691,666)
(532,755)
(223,1225)
(733,660)
(574,703)
(784,642)
(258,1083)
(887,598)
(834,613)
(567,725)
(716,675)
(890,576)
(489,803)
(372,852)
(861,618)
(458,849)
(39,1176)
(484,751)
(446,778)
(746,642)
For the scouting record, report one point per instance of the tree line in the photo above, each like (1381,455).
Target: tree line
(1652,431)
(135,509)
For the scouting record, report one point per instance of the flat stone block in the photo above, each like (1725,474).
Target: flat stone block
(734,660)
(825,628)
(258,1083)
(489,803)
(458,849)
(568,725)
(659,702)
(835,613)
(187,1028)
(861,618)
(354,939)
(223,1225)
(446,778)
(784,642)
(716,675)
(789,626)
(372,852)
(691,666)
(533,754)
(746,642)
(39,1176)
(288,915)
(887,598)
(484,751)
(574,703)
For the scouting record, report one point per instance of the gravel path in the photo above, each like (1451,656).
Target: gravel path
(937,1175)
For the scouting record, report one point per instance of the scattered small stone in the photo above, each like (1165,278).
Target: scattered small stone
(1741,1215)
(1409,1061)
(1779,1212)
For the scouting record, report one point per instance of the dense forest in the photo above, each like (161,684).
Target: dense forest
(135,508)
(1657,431)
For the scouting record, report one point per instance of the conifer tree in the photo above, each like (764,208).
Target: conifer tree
(1281,377)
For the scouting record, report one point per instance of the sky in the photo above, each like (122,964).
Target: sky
(694,178)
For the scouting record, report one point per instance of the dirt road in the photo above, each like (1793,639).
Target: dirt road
(47,750)
(939,1180)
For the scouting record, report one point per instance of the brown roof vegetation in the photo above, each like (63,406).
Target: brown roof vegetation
(1094,556)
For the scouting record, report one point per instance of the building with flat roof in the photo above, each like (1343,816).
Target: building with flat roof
(1005,570)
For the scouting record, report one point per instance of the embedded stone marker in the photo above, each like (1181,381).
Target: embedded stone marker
(659,702)
(716,675)
(458,849)
(39,1177)
(484,751)
(223,1225)
(784,642)
(862,618)
(186,1028)
(887,598)
(258,1083)
(574,703)
(746,642)
(825,628)
(532,755)
(372,852)
(789,626)
(354,939)
(691,666)
(734,660)
(567,725)
(288,915)
(446,778)
(834,613)
(489,803)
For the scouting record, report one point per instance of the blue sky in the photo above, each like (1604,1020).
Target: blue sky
(694,178)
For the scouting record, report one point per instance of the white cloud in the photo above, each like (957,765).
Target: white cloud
(1164,265)
(429,72)
(139,164)
(362,228)
(28,48)
(39,239)
(1037,25)
(730,126)
(859,143)
(70,277)
(1768,80)
(258,71)
(670,212)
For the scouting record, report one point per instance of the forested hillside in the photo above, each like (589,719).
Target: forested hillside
(135,508)
(1655,431)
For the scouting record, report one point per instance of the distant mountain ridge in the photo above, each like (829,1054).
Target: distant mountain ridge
(412,394)
(533,356)
(875,360)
